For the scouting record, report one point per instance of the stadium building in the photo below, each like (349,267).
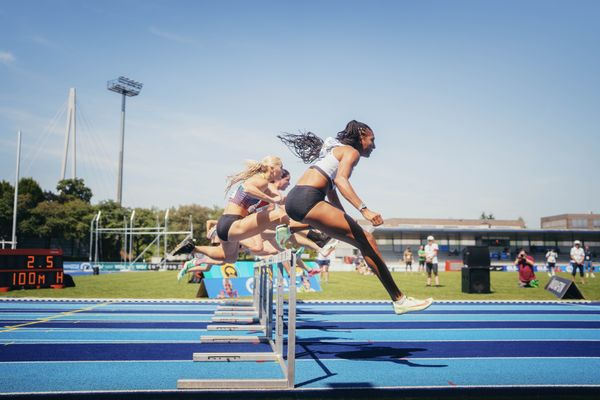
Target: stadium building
(504,237)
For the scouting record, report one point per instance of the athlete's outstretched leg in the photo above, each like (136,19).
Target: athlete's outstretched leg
(338,224)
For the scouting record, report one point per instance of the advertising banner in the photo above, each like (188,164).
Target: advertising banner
(230,288)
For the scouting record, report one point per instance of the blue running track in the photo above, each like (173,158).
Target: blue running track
(51,347)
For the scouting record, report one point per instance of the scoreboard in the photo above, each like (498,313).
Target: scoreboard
(31,269)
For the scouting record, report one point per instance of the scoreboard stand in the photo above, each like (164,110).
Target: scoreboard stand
(31,269)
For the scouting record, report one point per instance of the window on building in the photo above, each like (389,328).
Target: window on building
(579,223)
(559,223)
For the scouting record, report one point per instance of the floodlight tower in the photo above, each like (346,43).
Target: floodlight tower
(127,88)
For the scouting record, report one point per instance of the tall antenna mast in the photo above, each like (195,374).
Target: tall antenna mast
(71,128)
(129,88)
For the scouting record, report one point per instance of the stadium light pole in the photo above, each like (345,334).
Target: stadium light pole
(13,244)
(127,88)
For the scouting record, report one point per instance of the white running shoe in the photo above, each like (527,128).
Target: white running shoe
(593,276)
(409,304)
(194,262)
(587,274)
(186,266)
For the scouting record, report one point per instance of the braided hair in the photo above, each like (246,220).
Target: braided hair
(307,145)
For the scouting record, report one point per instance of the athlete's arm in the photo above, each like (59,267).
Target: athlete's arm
(258,187)
(348,159)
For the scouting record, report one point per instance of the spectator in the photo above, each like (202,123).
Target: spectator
(577,259)
(408,259)
(324,259)
(551,261)
(589,268)
(525,263)
(421,255)
(431,260)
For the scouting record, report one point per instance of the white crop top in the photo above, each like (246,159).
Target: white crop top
(327,164)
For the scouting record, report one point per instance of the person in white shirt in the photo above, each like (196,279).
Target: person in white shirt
(431,260)
(577,258)
(551,262)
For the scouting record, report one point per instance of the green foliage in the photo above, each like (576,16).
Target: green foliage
(30,195)
(67,215)
(70,189)
(69,220)
(180,219)
(485,216)
(6,209)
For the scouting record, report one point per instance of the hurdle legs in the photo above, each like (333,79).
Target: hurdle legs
(262,304)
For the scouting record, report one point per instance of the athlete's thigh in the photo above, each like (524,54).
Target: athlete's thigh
(301,240)
(253,224)
(254,242)
(231,250)
(334,222)
(270,246)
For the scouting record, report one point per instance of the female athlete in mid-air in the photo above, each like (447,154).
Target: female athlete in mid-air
(333,162)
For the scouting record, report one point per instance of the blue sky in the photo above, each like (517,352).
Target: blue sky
(476,105)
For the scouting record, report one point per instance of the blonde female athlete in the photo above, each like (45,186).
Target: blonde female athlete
(262,244)
(334,160)
(237,222)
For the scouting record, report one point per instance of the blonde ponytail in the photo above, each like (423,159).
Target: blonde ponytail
(252,168)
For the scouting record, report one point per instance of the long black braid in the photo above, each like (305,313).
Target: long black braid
(307,145)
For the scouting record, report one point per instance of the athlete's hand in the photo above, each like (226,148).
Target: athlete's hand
(374,217)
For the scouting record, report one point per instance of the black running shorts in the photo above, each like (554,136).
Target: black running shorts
(301,200)
(224,224)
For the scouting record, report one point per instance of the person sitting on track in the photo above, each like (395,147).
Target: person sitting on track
(335,159)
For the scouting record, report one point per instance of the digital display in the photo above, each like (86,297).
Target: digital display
(31,269)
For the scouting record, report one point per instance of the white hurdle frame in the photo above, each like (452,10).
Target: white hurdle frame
(261,309)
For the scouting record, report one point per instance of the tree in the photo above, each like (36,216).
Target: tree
(6,209)
(30,195)
(68,220)
(485,216)
(69,189)
(179,220)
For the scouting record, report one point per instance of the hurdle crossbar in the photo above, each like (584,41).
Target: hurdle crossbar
(266,303)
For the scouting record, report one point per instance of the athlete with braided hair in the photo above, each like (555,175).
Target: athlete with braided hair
(334,160)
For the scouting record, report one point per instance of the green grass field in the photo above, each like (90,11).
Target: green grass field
(341,286)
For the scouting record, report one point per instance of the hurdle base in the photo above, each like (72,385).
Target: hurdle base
(237,303)
(258,328)
(231,357)
(231,313)
(233,339)
(232,384)
(234,319)
(235,308)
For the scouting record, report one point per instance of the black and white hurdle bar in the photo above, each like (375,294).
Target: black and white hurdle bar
(261,309)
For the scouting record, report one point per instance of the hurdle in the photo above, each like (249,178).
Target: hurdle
(252,311)
(262,304)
